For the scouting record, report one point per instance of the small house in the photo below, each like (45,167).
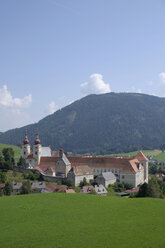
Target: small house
(78,173)
(100,190)
(106,178)
(86,189)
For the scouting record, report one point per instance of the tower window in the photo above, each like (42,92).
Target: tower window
(35,153)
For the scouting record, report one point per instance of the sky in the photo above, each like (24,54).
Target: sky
(53,52)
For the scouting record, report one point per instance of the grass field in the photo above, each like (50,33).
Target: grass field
(17,150)
(84,221)
(156,154)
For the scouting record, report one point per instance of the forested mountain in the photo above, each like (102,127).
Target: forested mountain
(113,122)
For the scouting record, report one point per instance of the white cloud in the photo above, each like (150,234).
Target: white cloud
(7,100)
(52,107)
(162,77)
(95,85)
(11,110)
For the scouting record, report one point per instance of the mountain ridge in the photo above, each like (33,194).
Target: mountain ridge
(106,123)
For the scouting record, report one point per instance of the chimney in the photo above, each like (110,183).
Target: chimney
(60,152)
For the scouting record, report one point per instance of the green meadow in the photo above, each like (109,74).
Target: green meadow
(17,150)
(84,221)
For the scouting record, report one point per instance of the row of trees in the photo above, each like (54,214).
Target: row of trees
(155,188)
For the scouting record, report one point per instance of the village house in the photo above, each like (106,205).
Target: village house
(87,189)
(100,190)
(52,188)
(132,170)
(78,173)
(106,178)
(36,187)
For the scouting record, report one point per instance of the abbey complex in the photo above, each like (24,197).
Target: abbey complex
(132,170)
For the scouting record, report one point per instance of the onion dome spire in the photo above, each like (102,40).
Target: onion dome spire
(37,140)
(26,141)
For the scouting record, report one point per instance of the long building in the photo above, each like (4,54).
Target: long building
(132,170)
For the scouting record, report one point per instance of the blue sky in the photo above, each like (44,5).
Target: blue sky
(53,52)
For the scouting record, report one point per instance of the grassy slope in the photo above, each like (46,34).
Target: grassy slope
(17,150)
(157,154)
(85,221)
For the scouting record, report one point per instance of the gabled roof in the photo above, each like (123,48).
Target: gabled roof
(126,164)
(81,170)
(65,159)
(87,189)
(141,157)
(107,176)
(55,188)
(48,161)
(100,189)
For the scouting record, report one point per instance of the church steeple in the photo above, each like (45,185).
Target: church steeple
(25,147)
(37,140)
(37,150)
(26,141)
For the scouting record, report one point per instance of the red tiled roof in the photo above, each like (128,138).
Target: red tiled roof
(140,156)
(135,190)
(82,170)
(87,189)
(127,164)
(48,161)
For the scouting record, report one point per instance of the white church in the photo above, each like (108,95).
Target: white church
(33,157)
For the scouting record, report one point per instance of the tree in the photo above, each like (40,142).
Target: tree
(1,161)
(84,182)
(128,186)
(7,189)
(154,189)
(8,154)
(143,190)
(26,188)
(22,162)
(3,177)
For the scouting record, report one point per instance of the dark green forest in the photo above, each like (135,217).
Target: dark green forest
(106,123)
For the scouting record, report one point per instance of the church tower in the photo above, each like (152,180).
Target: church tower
(25,147)
(37,150)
